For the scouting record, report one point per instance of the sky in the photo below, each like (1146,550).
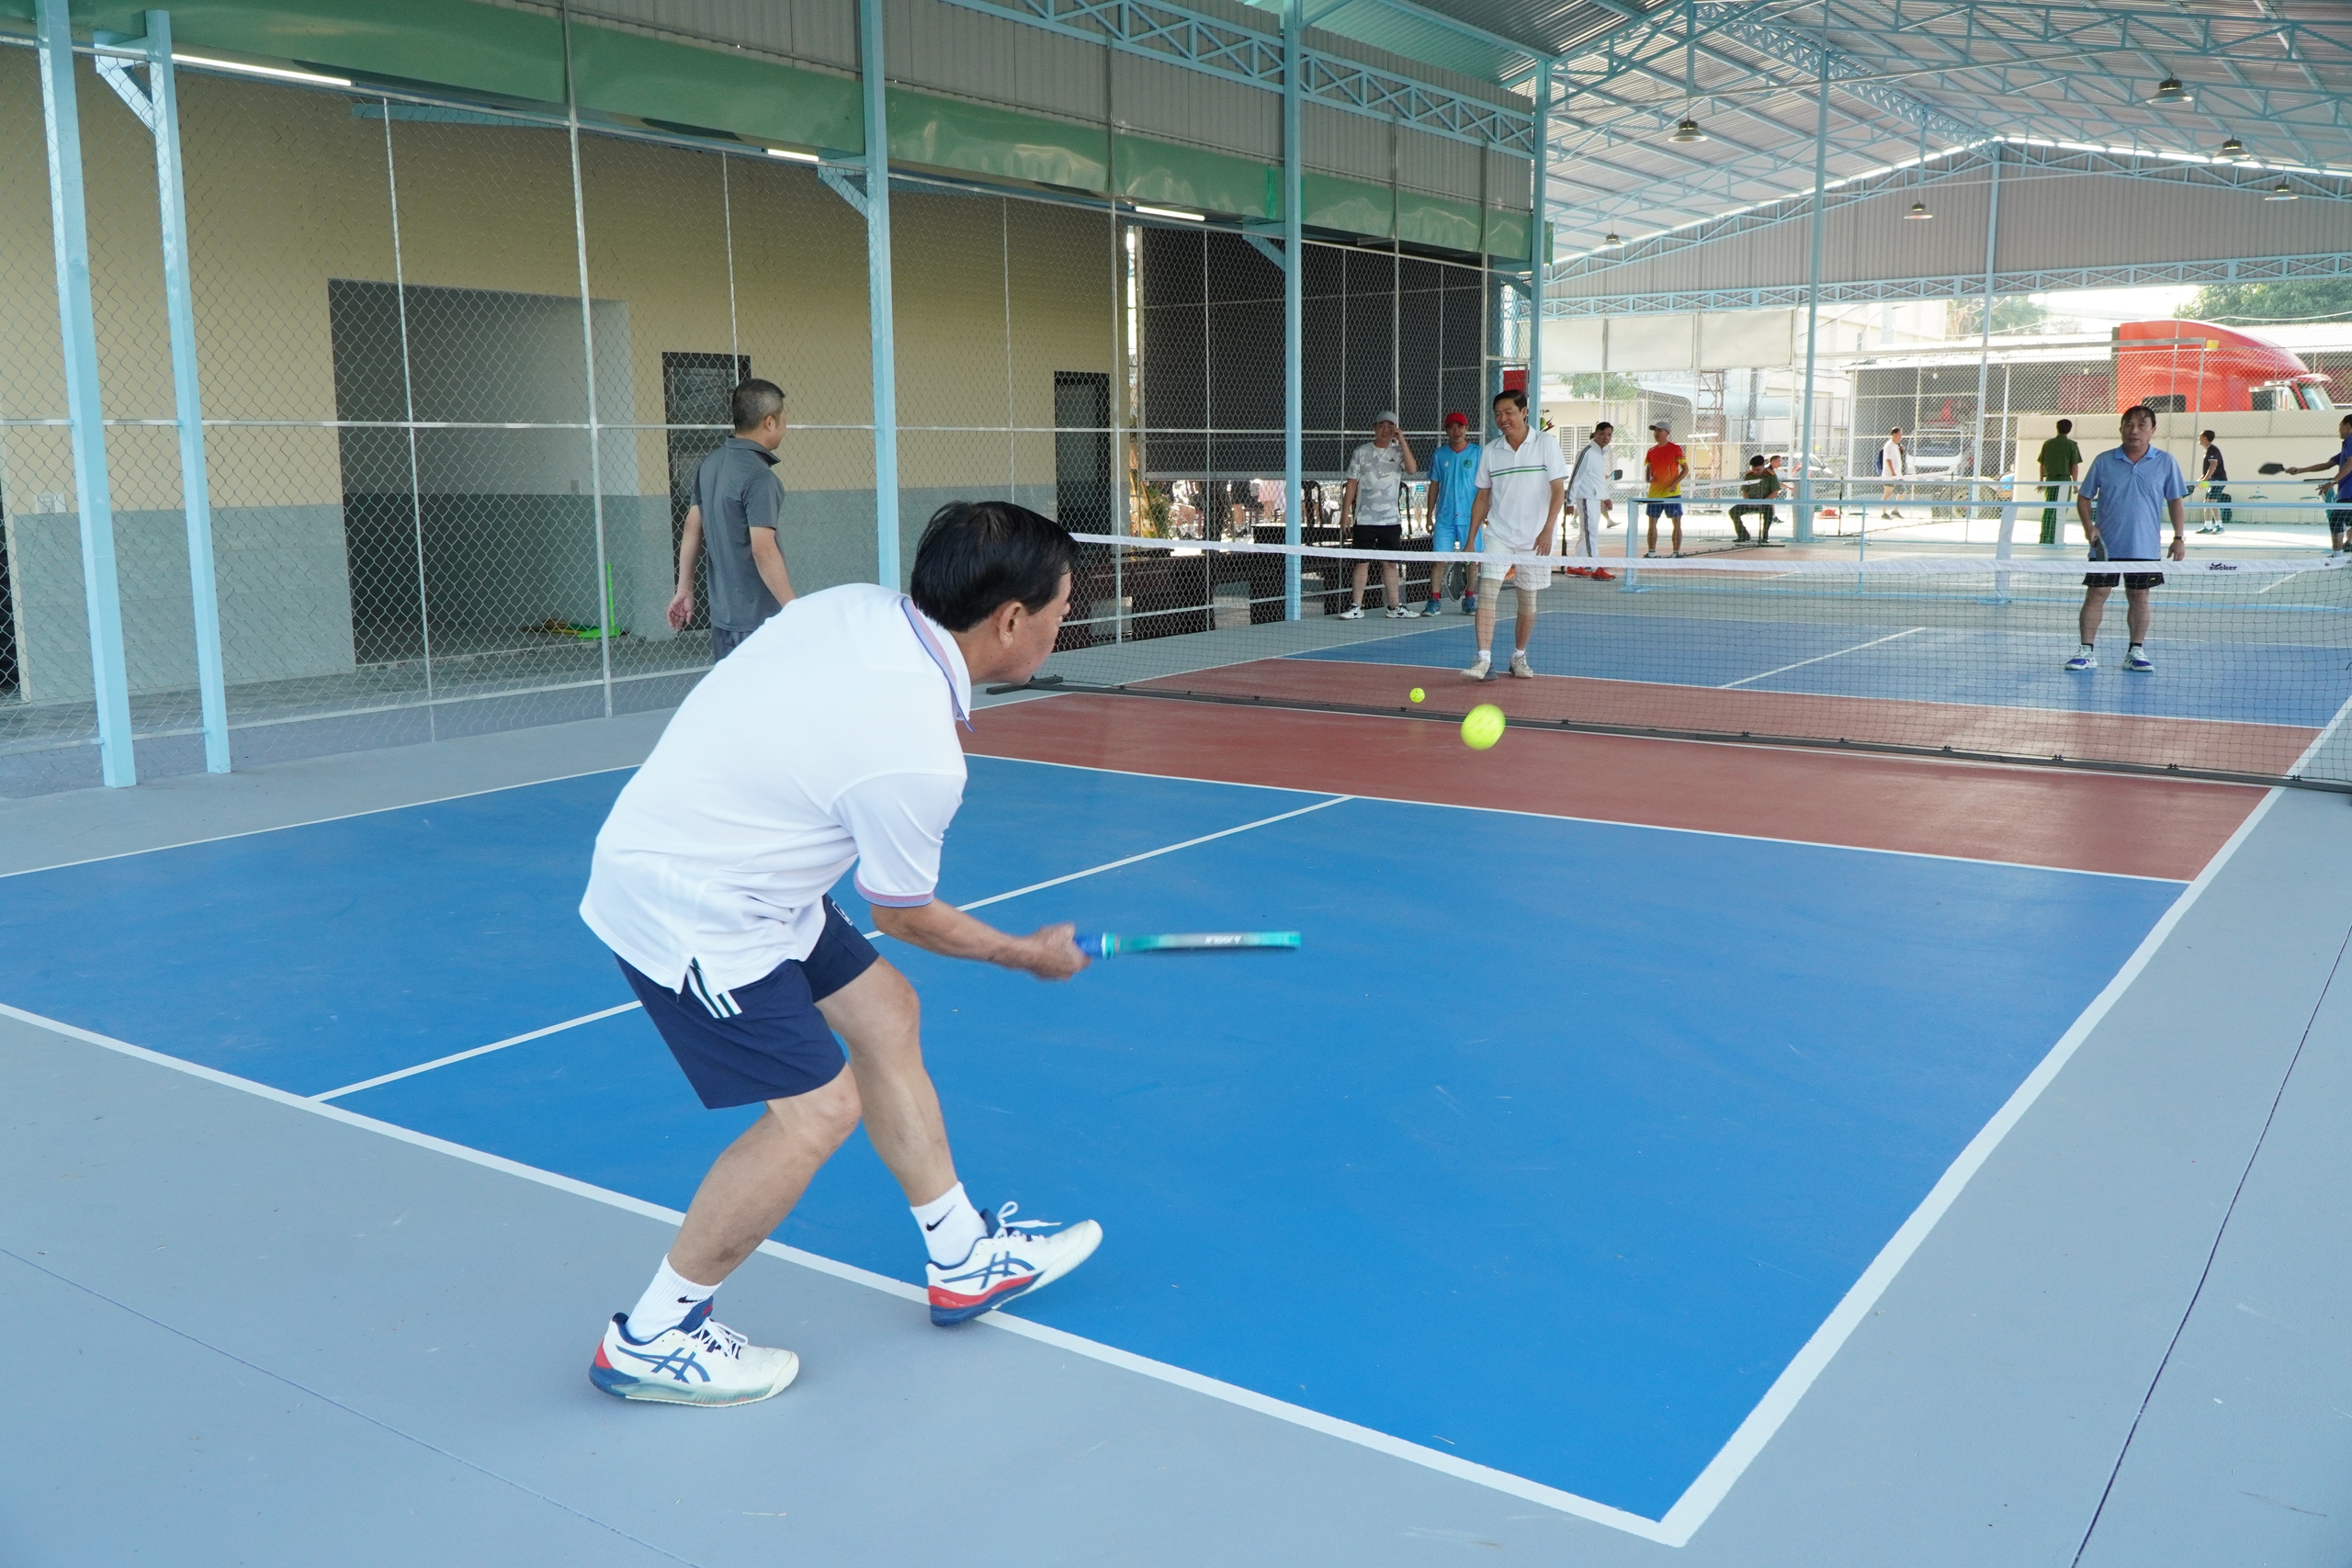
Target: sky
(2100,308)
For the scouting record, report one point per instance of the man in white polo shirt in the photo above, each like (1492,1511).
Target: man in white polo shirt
(1520,478)
(828,739)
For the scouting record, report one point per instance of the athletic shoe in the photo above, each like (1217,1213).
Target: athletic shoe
(1404,613)
(1469,603)
(1602,574)
(1520,668)
(1008,1261)
(2138,663)
(1435,607)
(2083,661)
(1480,670)
(1352,613)
(698,1363)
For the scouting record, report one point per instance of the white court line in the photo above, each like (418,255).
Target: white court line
(1818,658)
(384,1078)
(478,1051)
(1690,1510)
(1313,1420)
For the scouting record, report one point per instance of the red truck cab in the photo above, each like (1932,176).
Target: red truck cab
(2179,367)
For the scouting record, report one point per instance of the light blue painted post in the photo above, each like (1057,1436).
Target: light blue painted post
(880,321)
(1536,256)
(1293,311)
(196,489)
(1812,298)
(78,327)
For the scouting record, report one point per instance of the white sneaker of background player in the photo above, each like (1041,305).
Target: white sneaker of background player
(698,1363)
(1010,1260)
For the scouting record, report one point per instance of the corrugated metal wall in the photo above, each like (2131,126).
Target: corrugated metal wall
(948,49)
(2048,222)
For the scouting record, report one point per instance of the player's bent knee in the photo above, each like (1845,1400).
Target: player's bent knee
(829,1112)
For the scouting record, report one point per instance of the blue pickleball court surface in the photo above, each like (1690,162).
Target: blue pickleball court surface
(1891,659)
(1527,1163)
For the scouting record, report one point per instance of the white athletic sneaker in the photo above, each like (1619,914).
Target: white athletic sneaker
(1352,613)
(1010,1260)
(698,1363)
(1481,670)
(1520,668)
(1401,613)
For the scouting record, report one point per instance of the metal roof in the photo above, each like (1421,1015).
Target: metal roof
(2276,74)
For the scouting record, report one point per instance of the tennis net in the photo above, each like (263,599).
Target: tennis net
(1960,656)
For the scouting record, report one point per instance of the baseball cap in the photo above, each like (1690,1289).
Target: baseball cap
(1457,417)
(1386,416)
(1664,424)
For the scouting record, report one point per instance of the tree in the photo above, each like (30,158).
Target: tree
(1621,386)
(2256,304)
(2011,313)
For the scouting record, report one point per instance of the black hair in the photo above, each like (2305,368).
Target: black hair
(754,401)
(1757,461)
(2208,435)
(2065,426)
(976,555)
(2141,409)
(1512,395)
(1604,424)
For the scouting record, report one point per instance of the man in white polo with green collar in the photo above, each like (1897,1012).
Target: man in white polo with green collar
(1521,479)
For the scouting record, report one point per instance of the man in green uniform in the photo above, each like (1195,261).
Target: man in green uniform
(2062,463)
(1761,484)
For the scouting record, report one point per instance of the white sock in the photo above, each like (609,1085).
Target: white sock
(2086,649)
(666,1302)
(950,1226)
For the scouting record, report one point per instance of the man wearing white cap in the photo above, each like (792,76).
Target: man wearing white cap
(1376,482)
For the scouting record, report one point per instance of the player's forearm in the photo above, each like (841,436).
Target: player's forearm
(770,562)
(689,548)
(940,927)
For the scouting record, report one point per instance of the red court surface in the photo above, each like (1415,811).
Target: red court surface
(2219,745)
(2079,821)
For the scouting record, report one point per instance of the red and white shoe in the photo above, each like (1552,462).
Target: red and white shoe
(1012,1259)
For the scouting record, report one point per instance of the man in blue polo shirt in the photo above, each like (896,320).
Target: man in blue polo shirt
(736,503)
(2336,486)
(2132,486)
(1453,486)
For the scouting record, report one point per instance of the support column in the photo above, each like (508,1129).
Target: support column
(1812,299)
(1984,340)
(1293,309)
(78,329)
(881,319)
(1537,255)
(603,585)
(196,489)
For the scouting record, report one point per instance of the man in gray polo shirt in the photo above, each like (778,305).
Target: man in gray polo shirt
(2134,486)
(736,500)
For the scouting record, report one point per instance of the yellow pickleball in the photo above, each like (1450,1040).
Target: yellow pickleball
(1482,726)
(1417,694)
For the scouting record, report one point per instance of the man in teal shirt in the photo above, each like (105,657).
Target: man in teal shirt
(1453,474)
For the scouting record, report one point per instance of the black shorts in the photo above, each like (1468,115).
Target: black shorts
(776,1043)
(2339,519)
(2129,579)
(1380,536)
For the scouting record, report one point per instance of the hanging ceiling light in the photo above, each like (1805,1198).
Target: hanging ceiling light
(1919,210)
(2282,191)
(2171,90)
(2233,148)
(1688,131)
(1610,241)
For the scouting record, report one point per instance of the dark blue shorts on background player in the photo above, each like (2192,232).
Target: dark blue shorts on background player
(764,1041)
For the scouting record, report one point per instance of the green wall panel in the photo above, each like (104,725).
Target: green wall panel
(1168,176)
(1352,205)
(1434,220)
(653,79)
(1506,234)
(948,133)
(453,43)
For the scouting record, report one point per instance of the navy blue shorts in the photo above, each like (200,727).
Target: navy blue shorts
(1664,509)
(775,1045)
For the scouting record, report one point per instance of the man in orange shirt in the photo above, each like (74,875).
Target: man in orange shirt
(1667,468)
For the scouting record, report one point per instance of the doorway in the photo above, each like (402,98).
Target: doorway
(1083,491)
